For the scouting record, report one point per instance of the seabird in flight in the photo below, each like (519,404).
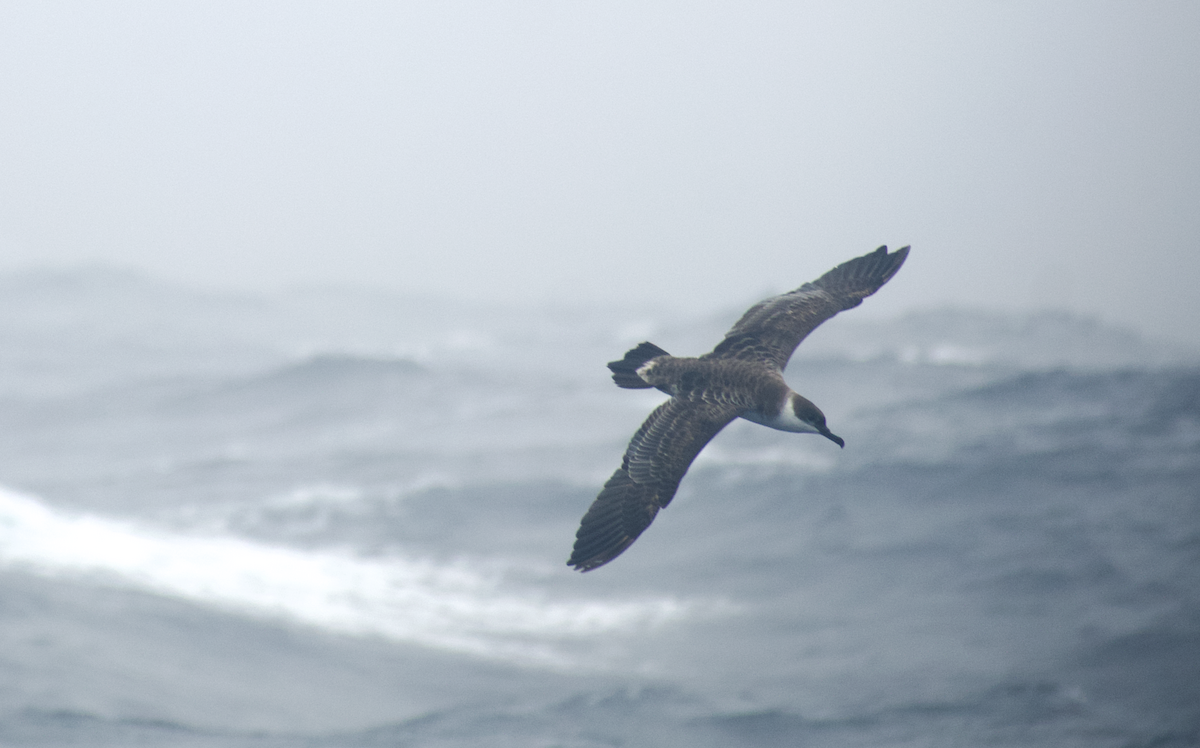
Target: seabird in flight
(741,377)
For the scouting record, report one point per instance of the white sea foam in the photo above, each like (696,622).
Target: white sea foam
(787,455)
(453,607)
(319,495)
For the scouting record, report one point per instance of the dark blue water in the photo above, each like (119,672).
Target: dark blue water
(356,536)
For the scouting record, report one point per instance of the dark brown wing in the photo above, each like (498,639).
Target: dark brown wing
(663,448)
(616,518)
(657,458)
(771,329)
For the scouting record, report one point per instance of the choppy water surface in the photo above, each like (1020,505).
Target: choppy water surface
(329,519)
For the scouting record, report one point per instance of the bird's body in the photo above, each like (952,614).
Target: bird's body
(741,378)
(758,390)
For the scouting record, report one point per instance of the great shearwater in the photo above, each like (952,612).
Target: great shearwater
(741,378)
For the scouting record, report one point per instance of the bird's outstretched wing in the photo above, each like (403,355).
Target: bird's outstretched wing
(771,329)
(657,458)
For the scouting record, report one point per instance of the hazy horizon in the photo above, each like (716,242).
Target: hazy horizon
(1035,156)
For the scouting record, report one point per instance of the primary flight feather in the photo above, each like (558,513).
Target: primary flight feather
(741,378)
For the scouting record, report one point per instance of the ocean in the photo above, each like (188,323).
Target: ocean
(336,517)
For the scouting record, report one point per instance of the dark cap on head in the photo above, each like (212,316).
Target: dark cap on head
(811,414)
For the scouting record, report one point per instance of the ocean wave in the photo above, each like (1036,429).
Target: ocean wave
(455,606)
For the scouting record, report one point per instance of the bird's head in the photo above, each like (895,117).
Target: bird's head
(812,417)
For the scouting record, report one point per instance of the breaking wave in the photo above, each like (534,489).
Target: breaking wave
(455,606)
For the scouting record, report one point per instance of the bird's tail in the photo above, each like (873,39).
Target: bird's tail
(625,371)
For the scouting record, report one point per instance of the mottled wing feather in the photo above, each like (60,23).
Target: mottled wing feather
(658,456)
(771,329)
(662,450)
(616,518)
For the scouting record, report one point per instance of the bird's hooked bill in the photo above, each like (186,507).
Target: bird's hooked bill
(833,438)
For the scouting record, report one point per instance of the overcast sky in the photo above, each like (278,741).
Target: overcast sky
(1035,154)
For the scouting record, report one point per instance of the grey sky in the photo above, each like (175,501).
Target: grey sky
(1035,154)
